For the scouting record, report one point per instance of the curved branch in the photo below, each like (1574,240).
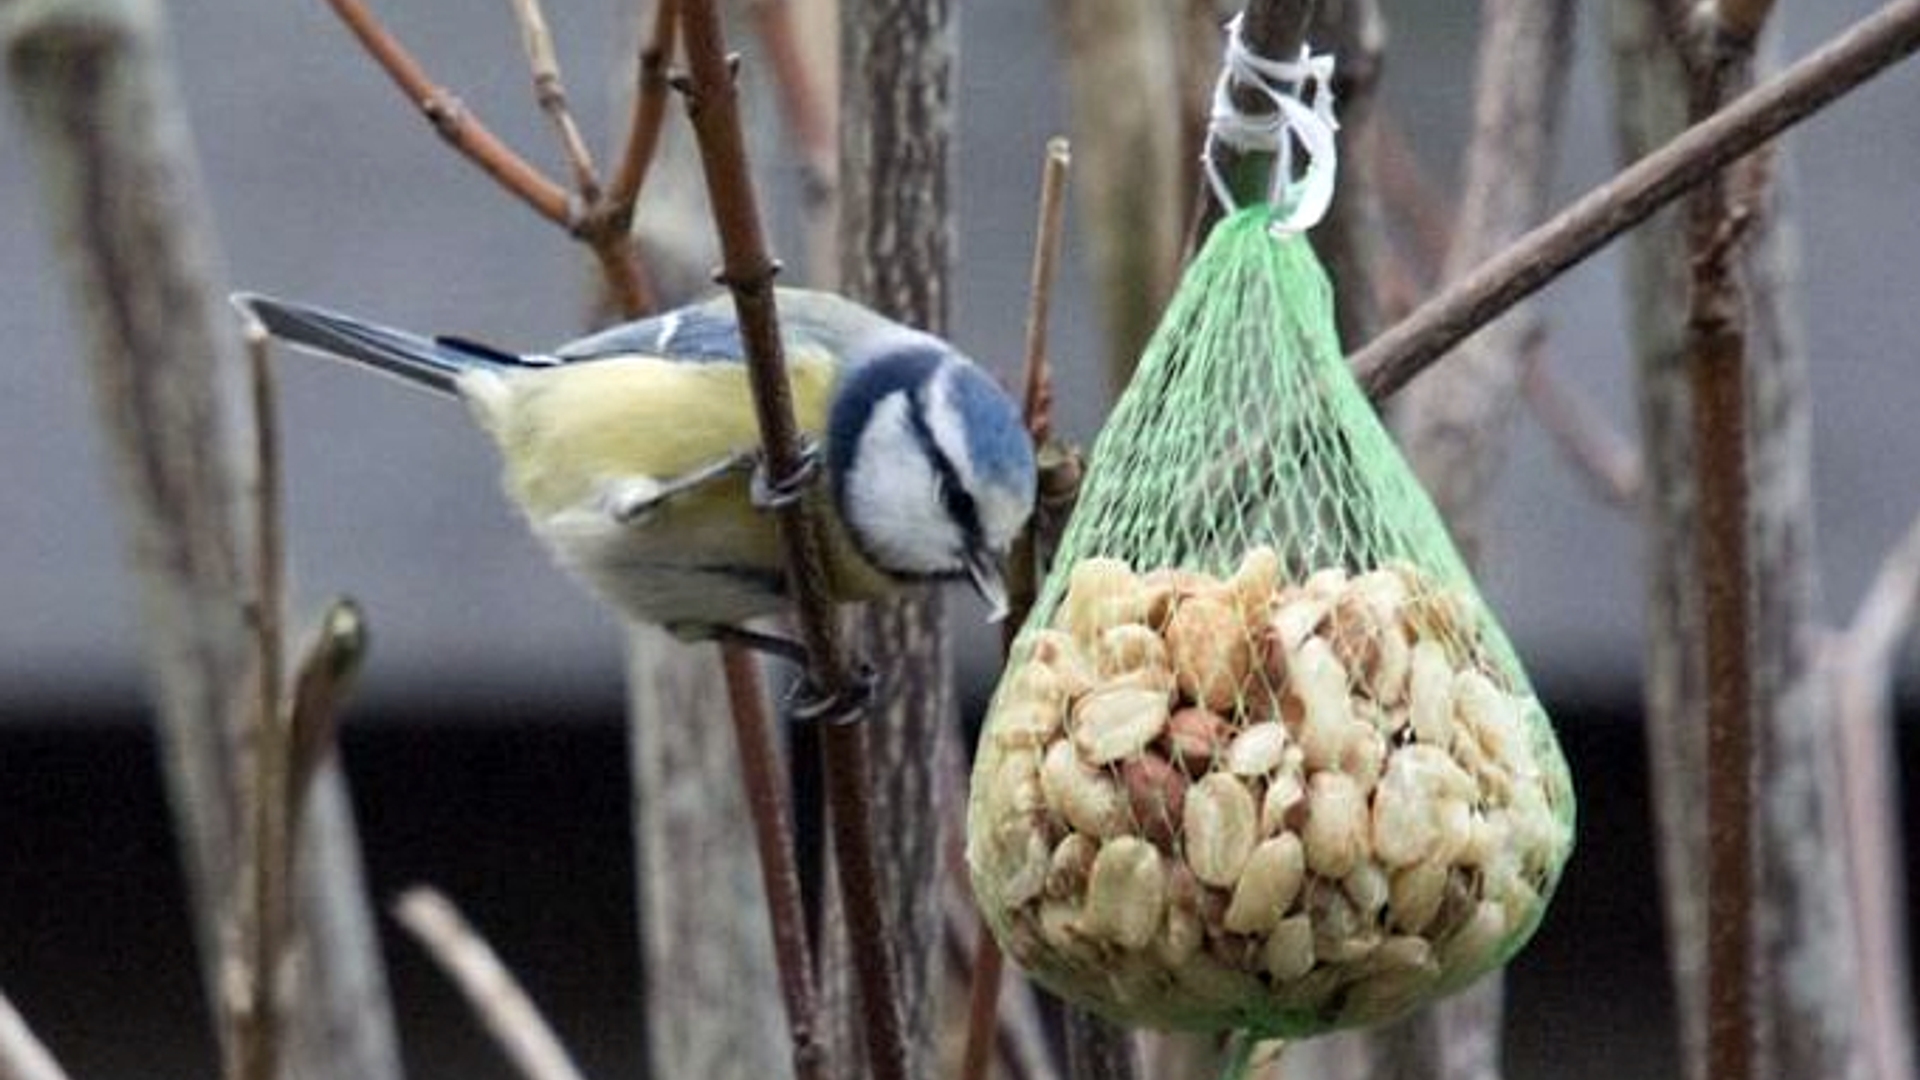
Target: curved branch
(1390,361)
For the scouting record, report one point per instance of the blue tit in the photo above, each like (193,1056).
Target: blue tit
(630,452)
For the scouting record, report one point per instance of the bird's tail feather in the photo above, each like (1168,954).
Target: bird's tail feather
(419,360)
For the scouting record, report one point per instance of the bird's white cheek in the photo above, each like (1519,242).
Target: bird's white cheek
(892,501)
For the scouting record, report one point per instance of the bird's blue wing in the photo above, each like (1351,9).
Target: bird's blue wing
(701,332)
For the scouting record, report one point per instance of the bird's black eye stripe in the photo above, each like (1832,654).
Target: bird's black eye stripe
(953,494)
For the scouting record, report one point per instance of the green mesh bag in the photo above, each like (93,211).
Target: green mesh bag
(1262,758)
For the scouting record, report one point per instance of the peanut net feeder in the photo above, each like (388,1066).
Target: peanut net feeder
(1262,759)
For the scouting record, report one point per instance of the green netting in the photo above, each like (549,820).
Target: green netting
(1262,759)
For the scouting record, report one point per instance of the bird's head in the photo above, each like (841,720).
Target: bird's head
(932,469)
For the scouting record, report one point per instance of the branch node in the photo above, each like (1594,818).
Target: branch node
(779,492)
(446,112)
(809,704)
(753,277)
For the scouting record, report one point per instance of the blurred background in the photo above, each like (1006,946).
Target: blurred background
(485,746)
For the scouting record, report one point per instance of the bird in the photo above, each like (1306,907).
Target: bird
(633,452)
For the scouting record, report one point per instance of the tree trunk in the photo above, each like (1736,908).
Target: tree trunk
(897,62)
(132,230)
(1809,995)
(708,971)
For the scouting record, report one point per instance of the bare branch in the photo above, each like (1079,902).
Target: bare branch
(326,673)
(22,1055)
(1037,397)
(1886,614)
(1869,47)
(260,913)
(763,775)
(503,1006)
(808,112)
(551,93)
(649,110)
(836,691)
(459,127)
(1861,672)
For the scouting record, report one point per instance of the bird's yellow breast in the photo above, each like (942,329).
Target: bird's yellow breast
(564,431)
(567,434)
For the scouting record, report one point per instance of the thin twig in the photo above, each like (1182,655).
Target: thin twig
(551,93)
(328,664)
(1037,395)
(649,111)
(1862,673)
(762,774)
(503,1006)
(1868,47)
(801,102)
(459,127)
(831,679)
(22,1055)
(1597,450)
(262,911)
(1890,605)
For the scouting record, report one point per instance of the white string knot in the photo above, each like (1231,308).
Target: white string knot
(1300,201)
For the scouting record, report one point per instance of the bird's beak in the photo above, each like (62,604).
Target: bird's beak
(983,571)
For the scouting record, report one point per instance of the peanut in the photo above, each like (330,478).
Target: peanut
(1087,798)
(1268,885)
(1430,695)
(1288,954)
(1156,796)
(1257,750)
(1194,736)
(1126,893)
(1218,827)
(1111,723)
(1414,895)
(1211,652)
(1335,834)
(1069,865)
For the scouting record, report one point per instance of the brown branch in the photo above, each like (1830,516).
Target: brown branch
(22,1055)
(1868,47)
(649,112)
(804,107)
(551,93)
(763,774)
(832,682)
(1037,383)
(508,1014)
(459,127)
(1599,453)
(1718,379)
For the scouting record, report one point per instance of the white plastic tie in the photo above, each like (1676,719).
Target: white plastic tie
(1300,201)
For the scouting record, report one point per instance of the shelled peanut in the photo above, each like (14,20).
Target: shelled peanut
(1249,802)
